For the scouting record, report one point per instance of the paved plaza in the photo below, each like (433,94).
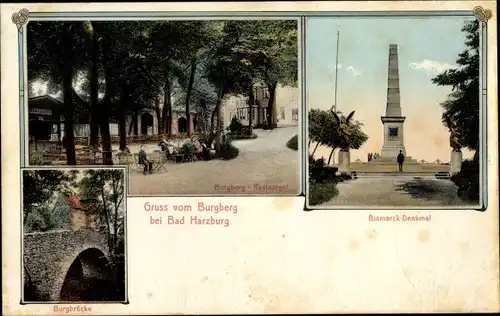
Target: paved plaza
(396,191)
(264,166)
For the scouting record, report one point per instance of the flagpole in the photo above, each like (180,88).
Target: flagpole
(336,71)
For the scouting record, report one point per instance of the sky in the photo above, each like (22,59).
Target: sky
(427,46)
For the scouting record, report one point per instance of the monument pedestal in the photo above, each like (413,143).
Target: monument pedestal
(455,162)
(344,164)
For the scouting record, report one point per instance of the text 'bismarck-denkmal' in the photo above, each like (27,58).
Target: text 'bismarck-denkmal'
(186,214)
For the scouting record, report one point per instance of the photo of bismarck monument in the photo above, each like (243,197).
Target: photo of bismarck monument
(393,130)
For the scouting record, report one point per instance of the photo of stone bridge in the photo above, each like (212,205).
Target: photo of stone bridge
(74,239)
(65,265)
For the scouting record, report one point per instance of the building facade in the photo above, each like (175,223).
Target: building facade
(46,122)
(79,215)
(286,105)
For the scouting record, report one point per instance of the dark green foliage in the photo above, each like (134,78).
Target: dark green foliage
(39,186)
(322,181)
(320,172)
(239,131)
(128,66)
(462,105)
(293,143)
(36,158)
(235,126)
(241,136)
(322,192)
(37,221)
(187,148)
(324,130)
(467,181)
(227,150)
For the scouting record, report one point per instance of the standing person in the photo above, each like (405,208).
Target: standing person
(401,160)
(143,160)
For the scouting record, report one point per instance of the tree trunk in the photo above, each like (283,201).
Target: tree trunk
(271,113)
(167,102)
(212,120)
(331,156)
(475,158)
(135,122)
(131,126)
(105,107)
(94,92)
(158,115)
(69,138)
(315,147)
(188,94)
(251,101)
(219,119)
(122,129)
(115,215)
(309,143)
(108,224)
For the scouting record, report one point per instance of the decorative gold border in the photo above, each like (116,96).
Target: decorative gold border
(20,18)
(482,15)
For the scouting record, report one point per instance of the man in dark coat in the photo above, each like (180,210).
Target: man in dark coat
(143,160)
(401,160)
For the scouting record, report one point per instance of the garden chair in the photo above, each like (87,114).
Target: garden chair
(137,165)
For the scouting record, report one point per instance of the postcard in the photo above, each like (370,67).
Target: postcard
(249,158)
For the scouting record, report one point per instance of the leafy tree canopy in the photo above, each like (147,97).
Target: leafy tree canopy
(462,105)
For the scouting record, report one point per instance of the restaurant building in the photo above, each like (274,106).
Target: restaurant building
(286,105)
(46,123)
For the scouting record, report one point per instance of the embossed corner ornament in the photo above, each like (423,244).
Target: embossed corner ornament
(20,18)
(482,15)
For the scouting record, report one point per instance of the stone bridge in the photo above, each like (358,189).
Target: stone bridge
(55,261)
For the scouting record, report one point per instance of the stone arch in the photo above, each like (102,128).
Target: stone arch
(85,263)
(87,277)
(146,122)
(182,125)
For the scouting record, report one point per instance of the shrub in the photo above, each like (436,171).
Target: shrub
(262,125)
(319,172)
(293,143)
(235,125)
(227,150)
(187,148)
(322,192)
(467,180)
(235,136)
(36,158)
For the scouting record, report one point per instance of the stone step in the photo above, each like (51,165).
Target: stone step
(384,163)
(393,167)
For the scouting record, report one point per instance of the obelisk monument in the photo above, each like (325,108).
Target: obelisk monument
(393,120)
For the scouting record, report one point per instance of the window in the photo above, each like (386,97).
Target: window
(242,114)
(282,110)
(393,132)
(295,114)
(261,93)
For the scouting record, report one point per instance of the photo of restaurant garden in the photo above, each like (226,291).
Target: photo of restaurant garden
(173,102)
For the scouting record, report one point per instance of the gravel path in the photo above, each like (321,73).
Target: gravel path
(265,166)
(396,191)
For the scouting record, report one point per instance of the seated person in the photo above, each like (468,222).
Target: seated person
(143,160)
(207,153)
(163,144)
(198,149)
(165,147)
